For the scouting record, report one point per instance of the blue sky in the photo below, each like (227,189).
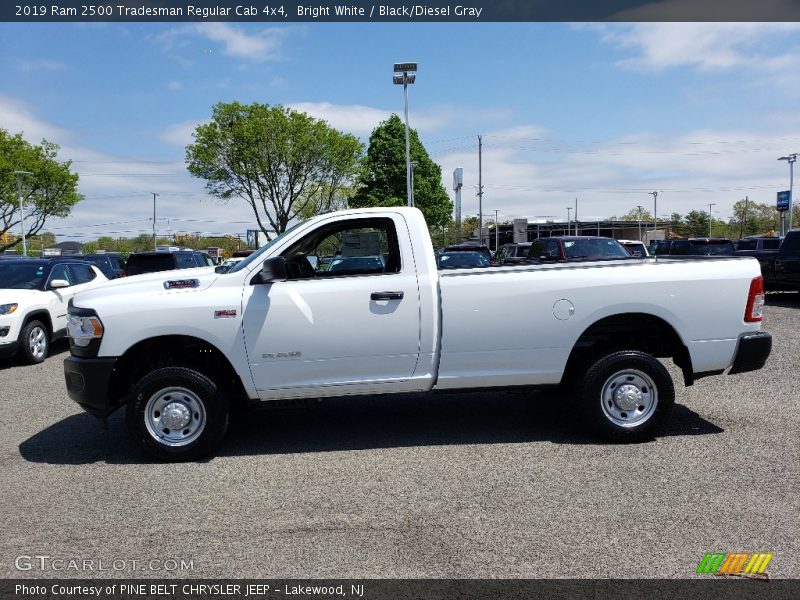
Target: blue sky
(602,112)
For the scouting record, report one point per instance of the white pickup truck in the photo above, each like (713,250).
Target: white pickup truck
(352,303)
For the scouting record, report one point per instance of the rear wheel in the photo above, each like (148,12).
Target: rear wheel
(177,413)
(34,342)
(626,396)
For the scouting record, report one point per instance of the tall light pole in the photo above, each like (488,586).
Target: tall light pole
(21,209)
(413,166)
(655,212)
(790,158)
(155,245)
(710,217)
(496,231)
(640,221)
(409,75)
(569,221)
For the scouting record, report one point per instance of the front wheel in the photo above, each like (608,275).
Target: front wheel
(34,342)
(626,396)
(177,413)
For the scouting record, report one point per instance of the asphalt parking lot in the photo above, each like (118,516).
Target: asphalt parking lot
(480,484)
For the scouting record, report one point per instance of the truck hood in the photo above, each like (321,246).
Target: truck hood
(148,284)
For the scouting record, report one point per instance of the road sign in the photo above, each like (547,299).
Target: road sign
(784,200)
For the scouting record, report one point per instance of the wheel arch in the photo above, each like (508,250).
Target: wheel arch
(628,331)
(173,351)
(42,315)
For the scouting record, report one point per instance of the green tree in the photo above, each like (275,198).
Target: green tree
(633,215)
(696,223)
(281,162)
(382,180)
(51,190)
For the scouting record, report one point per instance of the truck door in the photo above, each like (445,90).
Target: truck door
(346,319)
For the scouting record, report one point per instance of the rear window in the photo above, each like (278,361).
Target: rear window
(711,247)
(747,245)
(150,263)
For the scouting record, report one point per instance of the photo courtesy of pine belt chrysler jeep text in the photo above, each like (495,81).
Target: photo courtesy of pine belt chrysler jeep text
(179,348)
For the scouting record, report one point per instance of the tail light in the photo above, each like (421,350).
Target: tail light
(755,301)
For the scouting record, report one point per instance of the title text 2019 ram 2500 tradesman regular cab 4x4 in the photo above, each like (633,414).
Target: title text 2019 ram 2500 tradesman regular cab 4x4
(179,347)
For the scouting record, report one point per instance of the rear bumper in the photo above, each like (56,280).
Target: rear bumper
(752,352)
(88,383)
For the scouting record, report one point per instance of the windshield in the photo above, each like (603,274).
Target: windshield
(21,276)
(255,256)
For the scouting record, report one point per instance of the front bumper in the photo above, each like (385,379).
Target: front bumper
(89,384)
(752,352)
(8,350)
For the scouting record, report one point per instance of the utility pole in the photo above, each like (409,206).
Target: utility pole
(640,222)
(155,246)
(710,217)
(655,212)
(743,227)
(569,221)
(480,193)
(576,216)
(21,209)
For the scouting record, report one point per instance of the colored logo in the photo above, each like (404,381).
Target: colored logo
(737,563)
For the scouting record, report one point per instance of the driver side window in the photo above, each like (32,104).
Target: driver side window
(349,248)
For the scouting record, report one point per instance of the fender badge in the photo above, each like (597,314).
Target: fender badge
(177,284)
(225,314)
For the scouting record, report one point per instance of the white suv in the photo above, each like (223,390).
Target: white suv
(34,294)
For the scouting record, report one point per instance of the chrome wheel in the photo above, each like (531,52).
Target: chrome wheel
(629,398)
(175,416)
(37,343)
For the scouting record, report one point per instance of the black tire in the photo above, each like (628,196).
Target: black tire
(185,394)
(34,342)
(625,396)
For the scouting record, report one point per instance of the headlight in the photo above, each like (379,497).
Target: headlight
(7,309)
(84,329)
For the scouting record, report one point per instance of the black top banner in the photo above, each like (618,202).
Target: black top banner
(469,11)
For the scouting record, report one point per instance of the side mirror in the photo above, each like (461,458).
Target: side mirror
(273,269)
(58,283)
(220,269)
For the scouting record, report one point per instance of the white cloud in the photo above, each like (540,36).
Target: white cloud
(361,120)
(259,46)
(180,134)
(42,64)
(15,117)
(705,46)
(535,175)
(174,86)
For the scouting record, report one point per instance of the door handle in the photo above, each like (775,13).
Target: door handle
(386,296)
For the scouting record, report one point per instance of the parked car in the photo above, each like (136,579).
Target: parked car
(461,260)
(512,254)
(694,247)
(151,262)
(229,263)
(635,248)
(182,360)
(757,243)
(781,270)
(242,253)
(34,294)
(110,263)
(576,248)
(471,248)
(353,264)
